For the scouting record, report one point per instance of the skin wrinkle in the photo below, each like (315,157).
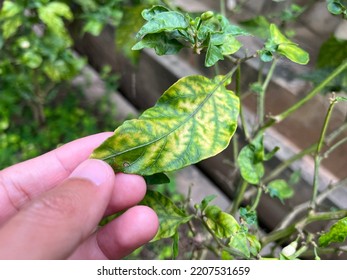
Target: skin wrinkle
(16,195)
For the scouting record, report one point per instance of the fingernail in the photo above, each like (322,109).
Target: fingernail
(94,170)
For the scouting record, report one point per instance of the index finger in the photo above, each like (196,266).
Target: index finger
(24,181)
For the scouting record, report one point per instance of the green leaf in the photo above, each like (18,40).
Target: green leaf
(240,242)
(258,26)
(205,202)
(336,234)
(10,9)
(160,42)
(280,188)
(250,217)
(332,53)
(10,26)
(288,48)
(221,223)
(254,244)
(53,14)
(266,55)
(148,14)
(271,154)
(31,59)
(213,55)
(193,120)
(157,179)
(250,161)
(335,7)
(165,21)
(341,98)
(93,27)
(251,171)
(170,216)
(175,245)
(226,256)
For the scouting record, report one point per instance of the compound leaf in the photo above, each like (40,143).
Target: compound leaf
(193,120)
(170,216)
(337,233)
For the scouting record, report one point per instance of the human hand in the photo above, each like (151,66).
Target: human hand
(50,207)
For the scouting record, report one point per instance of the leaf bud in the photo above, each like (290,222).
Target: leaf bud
(207,15)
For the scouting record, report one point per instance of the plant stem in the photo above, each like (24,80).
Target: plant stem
(309,96)
(257,199)
(312,217)
(238,93)
(334,147)
(280,168)
(284,164)
(318,158)
(303,206)
(261,97)
(222,7)
(239,196)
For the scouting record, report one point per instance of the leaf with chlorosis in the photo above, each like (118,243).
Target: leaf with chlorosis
(193,120)
(337,233)
(240,243)
(288,48)
(221,223)
(170,216)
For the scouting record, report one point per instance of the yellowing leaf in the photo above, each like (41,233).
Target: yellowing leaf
(170,216)
(221,223)
(288,48)
(337,233)
(193,120)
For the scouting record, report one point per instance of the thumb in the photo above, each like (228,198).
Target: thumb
(53,225)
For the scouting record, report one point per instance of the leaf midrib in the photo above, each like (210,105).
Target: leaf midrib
(175,128)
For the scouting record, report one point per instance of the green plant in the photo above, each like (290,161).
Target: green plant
(38,103)
(197,117)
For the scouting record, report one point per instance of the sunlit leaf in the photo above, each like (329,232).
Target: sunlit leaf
(288,48)
(175,243)
(170,216)
(221,223)
(193,120)
(53,14)
(336,234)
(10,9)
